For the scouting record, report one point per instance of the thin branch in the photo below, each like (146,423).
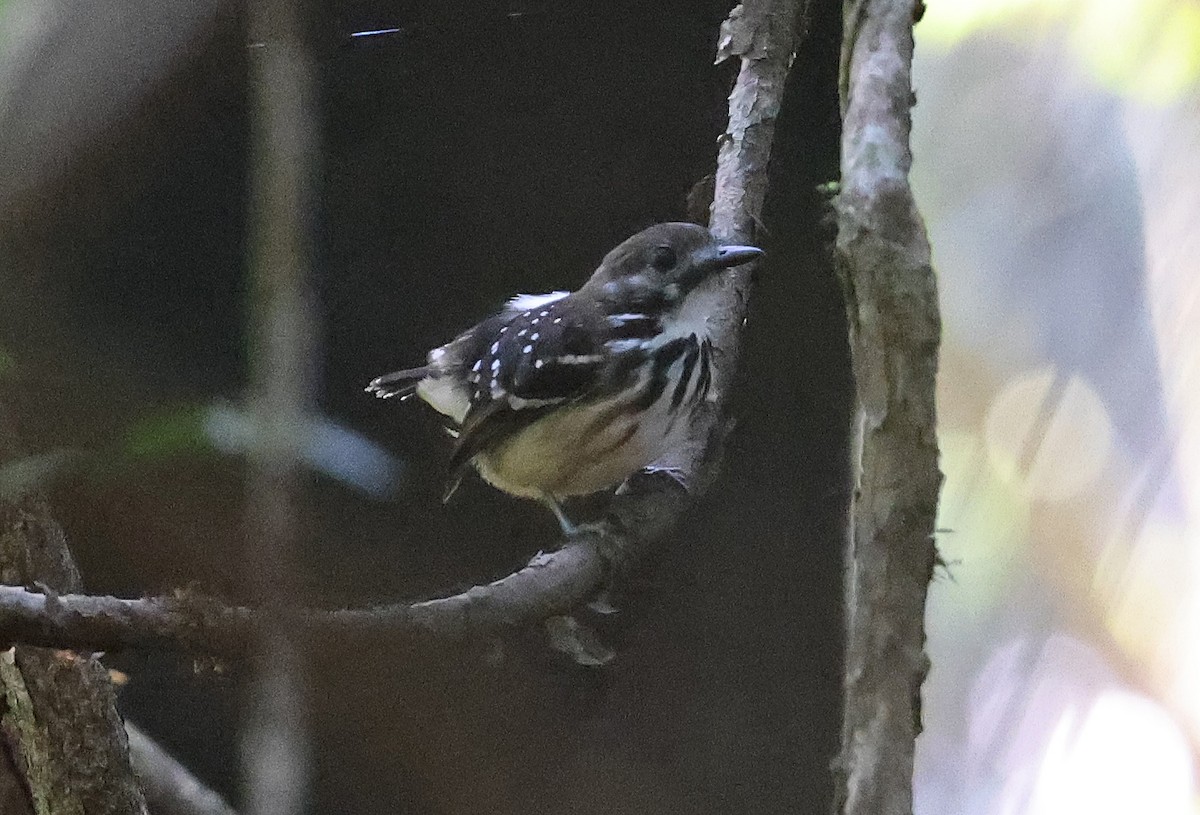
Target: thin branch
(762,34)
(551,584)
(170,788)
(891,301)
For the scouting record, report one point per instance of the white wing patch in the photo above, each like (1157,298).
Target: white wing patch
(529,302)
(446,396)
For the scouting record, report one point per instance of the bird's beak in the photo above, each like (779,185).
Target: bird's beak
(729,256)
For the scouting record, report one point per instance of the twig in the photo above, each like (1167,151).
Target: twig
(170,788)
(891,301)
(550,584)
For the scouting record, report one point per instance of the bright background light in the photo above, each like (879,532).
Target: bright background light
(1057,160)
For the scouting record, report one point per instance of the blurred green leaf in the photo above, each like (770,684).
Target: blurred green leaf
(220,428)
(180,431)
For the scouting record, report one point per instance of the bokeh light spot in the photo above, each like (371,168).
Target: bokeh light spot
(1126,755)
(1048,433)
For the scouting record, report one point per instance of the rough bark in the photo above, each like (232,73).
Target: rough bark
(891,301)
(764,36)
(60,721)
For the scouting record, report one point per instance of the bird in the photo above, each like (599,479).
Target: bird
(569,393)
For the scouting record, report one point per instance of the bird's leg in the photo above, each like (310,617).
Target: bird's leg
(569,529)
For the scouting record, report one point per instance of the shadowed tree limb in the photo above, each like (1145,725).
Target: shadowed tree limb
(891,303)
(59,717)
(170,788)
(550,584)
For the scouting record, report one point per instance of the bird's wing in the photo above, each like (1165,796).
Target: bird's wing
(542,358)
(533,302)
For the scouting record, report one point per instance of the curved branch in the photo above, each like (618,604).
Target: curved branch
(550,584)
(763,34)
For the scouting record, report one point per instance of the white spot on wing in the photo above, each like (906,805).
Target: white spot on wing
(495,365)
(534,336)
(617,346)
(539,363)
(527,302)
(478,364)
(444,396)
(495,346)
(526,349)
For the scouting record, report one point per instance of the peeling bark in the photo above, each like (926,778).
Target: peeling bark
(60,721)
(891,303)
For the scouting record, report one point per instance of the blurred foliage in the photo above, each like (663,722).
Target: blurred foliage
(327,447)
(1146,49)
(179,430)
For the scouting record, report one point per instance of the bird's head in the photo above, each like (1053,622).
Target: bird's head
(659,266)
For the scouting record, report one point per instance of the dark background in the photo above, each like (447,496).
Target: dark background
(485,149)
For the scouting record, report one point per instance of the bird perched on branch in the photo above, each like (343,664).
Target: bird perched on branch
(569,393)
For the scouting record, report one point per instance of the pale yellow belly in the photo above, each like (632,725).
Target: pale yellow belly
(581,450)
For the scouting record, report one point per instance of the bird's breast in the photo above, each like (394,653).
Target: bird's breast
(597,444)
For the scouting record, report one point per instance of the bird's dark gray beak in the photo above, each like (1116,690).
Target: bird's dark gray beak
(729,256)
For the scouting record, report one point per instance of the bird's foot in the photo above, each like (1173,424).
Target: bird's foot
(569,529)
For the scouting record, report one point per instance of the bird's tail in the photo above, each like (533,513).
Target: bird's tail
(398,383)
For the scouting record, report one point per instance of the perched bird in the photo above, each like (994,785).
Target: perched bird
(569,393)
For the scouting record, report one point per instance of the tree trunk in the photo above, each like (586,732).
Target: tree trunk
(895,329)
(64,739)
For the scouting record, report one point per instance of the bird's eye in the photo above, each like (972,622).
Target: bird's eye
(664,258)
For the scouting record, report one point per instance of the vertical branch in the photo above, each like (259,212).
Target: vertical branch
(764,35)
(891,301)
(275,749)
